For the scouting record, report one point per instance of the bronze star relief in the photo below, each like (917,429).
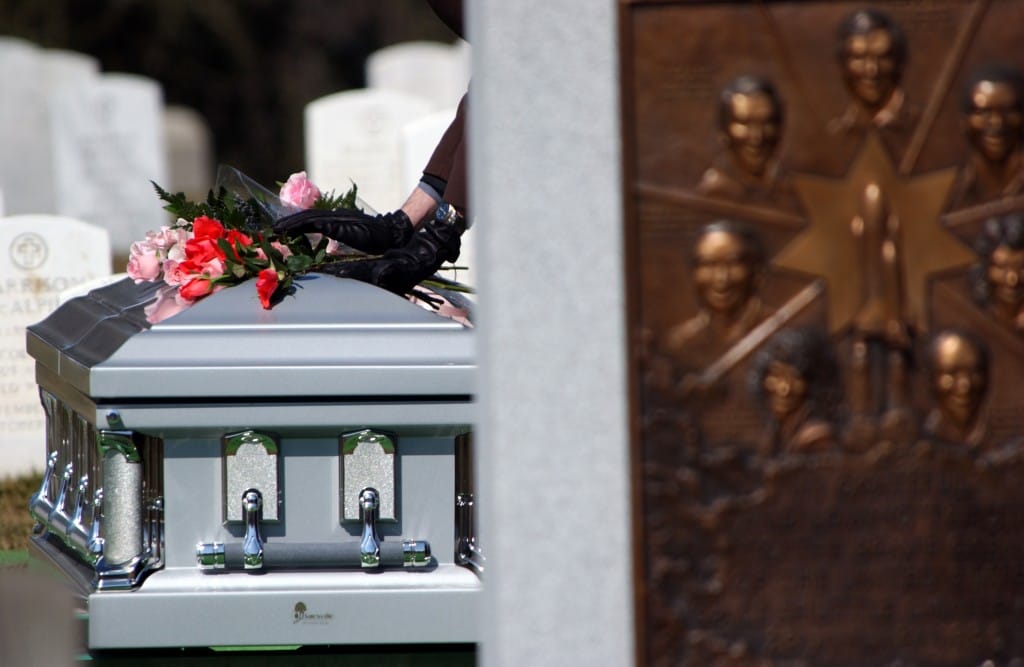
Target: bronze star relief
(874,217)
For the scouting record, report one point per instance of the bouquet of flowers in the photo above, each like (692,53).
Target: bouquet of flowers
(229,238)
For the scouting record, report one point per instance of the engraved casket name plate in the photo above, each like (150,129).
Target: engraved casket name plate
(367,461)
(251,462)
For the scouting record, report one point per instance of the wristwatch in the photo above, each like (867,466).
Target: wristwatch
(447,215)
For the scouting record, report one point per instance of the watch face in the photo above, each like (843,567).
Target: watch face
(443,213)
(447,214)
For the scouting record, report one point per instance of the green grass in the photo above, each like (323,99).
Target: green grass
(13,558)
(15,522)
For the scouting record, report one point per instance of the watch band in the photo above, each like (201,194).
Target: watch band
(448,215)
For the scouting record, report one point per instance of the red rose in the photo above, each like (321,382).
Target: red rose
(188,269)
(236,239)
(207,228)
(203,250)
(235,235)
(195,289)
(266,284)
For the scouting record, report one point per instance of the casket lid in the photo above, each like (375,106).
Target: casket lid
(333,338)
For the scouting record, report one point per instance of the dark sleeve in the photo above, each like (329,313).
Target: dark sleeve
(448,162)
(449,11)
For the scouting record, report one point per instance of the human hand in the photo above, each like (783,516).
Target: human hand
(370,234)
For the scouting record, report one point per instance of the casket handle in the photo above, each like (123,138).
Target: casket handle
(252,544)
(369,544)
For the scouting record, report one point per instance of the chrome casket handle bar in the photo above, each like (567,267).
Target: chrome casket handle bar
(78,532)
(59,521)
(467,552)
(40,505)
(213,556)
(252,543)
(369,544)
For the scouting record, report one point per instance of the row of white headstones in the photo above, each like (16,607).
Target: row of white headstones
(79,147)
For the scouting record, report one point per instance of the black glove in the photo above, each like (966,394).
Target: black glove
(368,233)
(398,271)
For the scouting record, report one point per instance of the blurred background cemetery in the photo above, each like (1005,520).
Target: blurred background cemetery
(100,97)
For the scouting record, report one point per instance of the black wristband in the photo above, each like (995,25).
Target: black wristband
(436,183)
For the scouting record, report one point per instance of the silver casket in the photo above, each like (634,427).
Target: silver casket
(235,476)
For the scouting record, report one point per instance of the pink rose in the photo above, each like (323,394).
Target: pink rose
(173,273)
(143,262)
(299,191)
(177,251)
(214,268)
(166,238)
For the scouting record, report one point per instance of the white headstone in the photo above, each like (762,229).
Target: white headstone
(83,288)
(354,136)
(190,158)
(108,145)
(432,70)
(25,175)
(419,139)
(42,256)
(60,67)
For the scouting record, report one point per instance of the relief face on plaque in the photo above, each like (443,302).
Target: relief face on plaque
(996,277)
(825,216)
(750,119)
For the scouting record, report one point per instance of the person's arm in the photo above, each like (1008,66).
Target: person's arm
(444,181)
(413,227)
(419,206)
(444,175)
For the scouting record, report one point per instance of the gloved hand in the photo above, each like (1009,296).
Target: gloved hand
(398,271)
(373,234)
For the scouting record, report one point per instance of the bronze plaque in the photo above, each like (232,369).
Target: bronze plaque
(825,243)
